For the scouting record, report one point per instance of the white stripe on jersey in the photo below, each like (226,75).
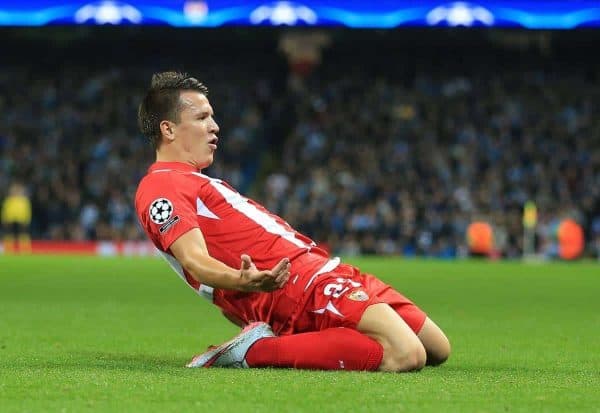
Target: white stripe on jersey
(202,210)
(328,267)
(263,219)
(204,291)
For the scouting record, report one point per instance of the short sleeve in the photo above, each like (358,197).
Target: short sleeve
(166,210)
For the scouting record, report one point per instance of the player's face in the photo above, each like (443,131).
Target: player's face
(196,130)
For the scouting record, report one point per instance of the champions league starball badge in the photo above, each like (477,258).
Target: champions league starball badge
(160,210)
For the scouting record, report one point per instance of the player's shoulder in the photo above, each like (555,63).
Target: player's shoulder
(164,182)
(170,177)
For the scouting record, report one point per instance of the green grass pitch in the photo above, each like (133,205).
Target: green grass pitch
(94,334)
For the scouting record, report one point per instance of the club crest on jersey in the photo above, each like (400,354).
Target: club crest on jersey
(160,210)
(358,295)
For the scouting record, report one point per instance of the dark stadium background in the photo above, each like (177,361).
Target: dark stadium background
(391,144)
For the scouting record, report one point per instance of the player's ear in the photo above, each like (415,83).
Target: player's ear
(166,129)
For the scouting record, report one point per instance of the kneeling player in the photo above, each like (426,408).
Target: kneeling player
(303,309)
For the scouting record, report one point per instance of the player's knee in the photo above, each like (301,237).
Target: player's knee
(411,357)
(440,353)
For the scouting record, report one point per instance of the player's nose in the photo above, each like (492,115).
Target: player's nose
(214,128)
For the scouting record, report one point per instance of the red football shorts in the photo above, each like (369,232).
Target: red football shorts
(340,298)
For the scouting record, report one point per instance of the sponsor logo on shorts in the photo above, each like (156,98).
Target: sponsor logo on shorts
(358,295)
(169,224)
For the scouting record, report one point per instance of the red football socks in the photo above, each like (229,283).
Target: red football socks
(331,349)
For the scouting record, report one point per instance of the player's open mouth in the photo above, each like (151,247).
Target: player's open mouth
(213,143)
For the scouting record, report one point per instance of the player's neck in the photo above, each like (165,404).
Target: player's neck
(164,156)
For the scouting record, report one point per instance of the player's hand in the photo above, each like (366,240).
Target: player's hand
(264,281)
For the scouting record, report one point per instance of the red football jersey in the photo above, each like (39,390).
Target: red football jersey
(174,198)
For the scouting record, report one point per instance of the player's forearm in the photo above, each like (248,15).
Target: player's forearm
(214,273)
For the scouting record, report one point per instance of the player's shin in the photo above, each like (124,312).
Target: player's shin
(331,349)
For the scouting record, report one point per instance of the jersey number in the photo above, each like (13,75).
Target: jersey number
(335,290)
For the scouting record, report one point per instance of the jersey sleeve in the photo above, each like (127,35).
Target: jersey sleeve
(166,210)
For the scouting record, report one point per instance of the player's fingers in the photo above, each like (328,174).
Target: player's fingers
(246,262)
(281,282)
(284,275)
(272,282)
(281,266)
(281,277)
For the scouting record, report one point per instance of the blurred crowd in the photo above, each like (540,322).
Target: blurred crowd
(72,139)
(363,162)
(389,168)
